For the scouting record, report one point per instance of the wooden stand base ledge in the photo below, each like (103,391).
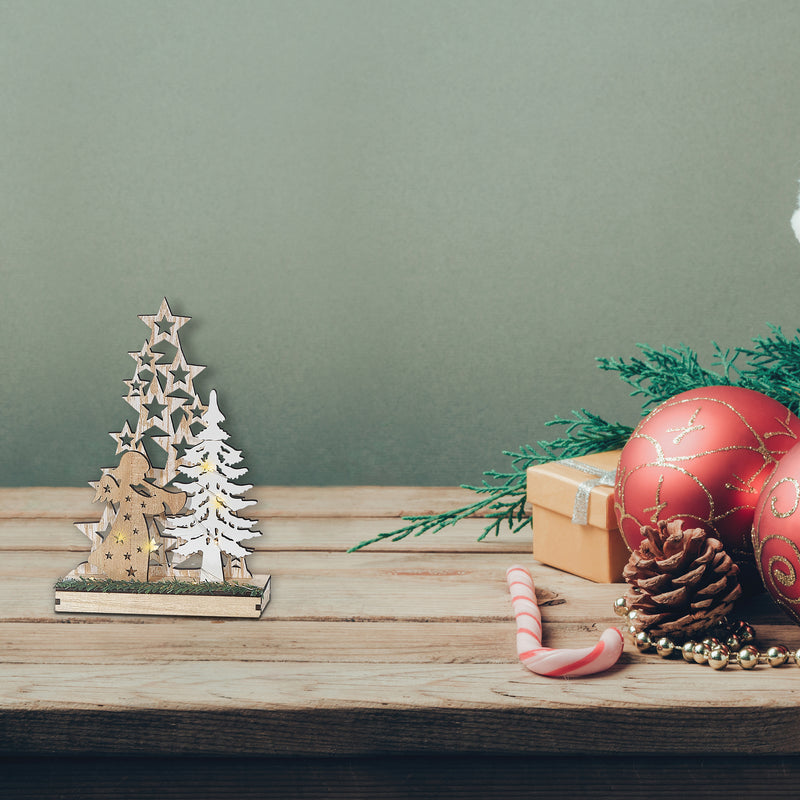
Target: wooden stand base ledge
(182,605)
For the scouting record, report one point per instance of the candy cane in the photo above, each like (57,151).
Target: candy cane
(546,660)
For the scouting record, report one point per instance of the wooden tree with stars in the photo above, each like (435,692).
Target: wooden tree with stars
(162,394)
(129,543)
(168,418)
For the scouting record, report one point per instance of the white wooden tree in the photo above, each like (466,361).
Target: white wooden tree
(213,526)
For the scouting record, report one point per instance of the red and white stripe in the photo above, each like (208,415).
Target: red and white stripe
(547,661)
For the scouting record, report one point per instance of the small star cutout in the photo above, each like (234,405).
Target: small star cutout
(154,409)
(124,438)
(127,517)
(180,448)
(164,325)
(119,538)
(109,556)
(179,374)
(138,549)
(131,572)
(127,556)
(143,358)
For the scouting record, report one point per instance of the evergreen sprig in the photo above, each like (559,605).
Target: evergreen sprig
(770,366)
(662,374)
(505,501)
(107,585)
(773,367)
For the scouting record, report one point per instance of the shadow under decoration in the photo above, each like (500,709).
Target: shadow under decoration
(170,540)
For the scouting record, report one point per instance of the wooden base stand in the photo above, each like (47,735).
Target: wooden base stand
(182,605)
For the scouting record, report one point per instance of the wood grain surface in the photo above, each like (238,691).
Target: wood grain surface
(395,660)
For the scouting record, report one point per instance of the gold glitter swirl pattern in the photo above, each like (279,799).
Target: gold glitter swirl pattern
(773,502)
(777,558)
(786,578)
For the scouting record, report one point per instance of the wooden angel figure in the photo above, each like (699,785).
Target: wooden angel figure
(124,552)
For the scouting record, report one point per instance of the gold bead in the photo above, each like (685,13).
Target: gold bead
(665,647)
(748,657)
(745,632)
(711,642)
(687,651)
(734,642)
(777,656)
(700,653)
(797,658)
(632,616)
(718,658)
(642,641)
(621,607)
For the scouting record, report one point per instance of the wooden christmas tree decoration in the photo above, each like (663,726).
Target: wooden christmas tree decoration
(213,527)
(174,460)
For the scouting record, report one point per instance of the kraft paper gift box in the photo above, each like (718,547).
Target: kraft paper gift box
(579,489)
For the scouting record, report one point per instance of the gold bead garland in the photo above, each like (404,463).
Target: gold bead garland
(732,646)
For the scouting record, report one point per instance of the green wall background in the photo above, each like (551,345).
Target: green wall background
(404,230)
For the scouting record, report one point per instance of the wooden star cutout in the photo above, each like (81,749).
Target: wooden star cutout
(144,358)
(164,325)
(182,373)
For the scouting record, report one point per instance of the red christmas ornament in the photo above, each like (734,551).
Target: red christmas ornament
(703,457)
(776,533)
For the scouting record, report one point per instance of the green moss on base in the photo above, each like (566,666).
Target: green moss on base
(158,587)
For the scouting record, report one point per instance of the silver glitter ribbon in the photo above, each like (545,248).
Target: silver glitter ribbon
(602,477)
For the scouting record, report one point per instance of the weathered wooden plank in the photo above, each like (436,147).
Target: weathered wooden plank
(326,709)
(304,642)
(351,586)
(109,643)
(203,640)
(75,503)
(335,534)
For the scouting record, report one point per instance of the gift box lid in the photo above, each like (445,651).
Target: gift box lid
(555,486)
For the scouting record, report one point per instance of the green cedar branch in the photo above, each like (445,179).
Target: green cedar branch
(662,374)
(773,367)
(505,501)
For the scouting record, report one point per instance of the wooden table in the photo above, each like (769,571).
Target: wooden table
(390,672)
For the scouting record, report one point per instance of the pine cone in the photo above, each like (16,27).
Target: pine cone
(682,581)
